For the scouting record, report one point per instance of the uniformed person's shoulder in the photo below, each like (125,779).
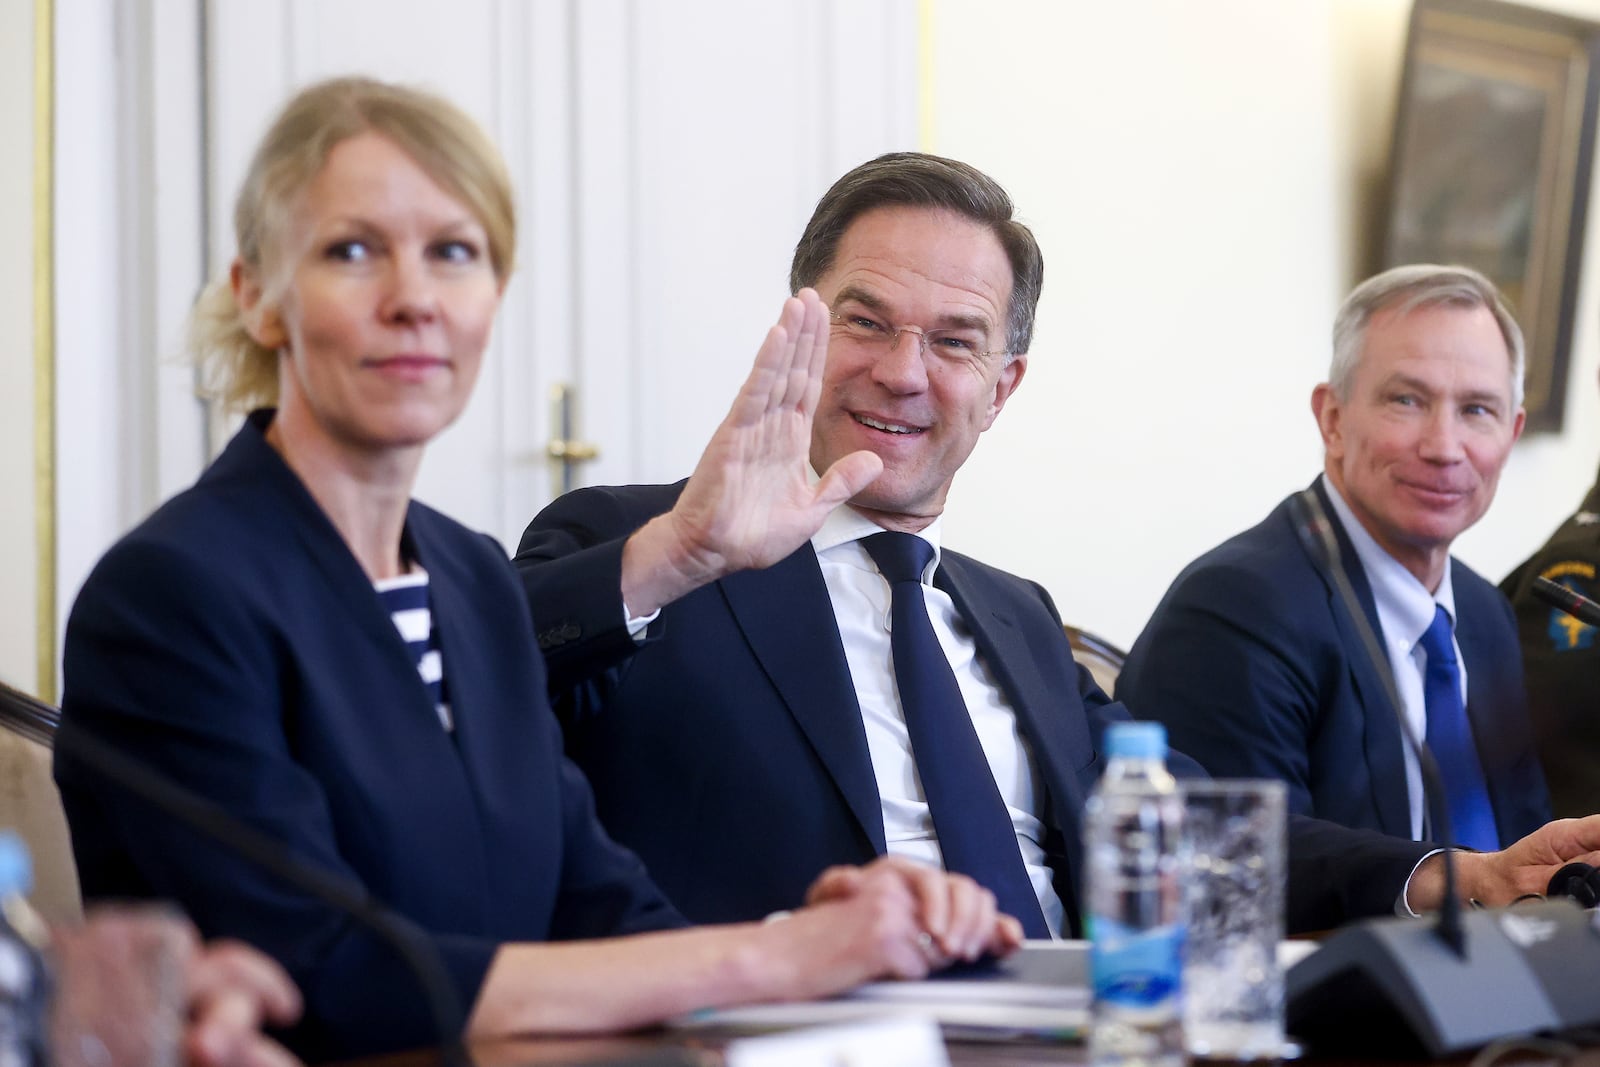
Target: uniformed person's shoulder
(1571,558)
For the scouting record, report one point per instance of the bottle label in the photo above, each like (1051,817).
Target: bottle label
(15,970)
(1136,968)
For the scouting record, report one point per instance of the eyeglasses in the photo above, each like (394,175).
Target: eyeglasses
(953,346)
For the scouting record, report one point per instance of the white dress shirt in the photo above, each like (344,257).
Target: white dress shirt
(861,603)
(1405,611)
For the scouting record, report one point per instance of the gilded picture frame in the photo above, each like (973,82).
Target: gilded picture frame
(1494,141)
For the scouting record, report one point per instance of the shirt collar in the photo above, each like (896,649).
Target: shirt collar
(1403,602)
(845,525)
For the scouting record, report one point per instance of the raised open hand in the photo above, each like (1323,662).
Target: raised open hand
(750,501)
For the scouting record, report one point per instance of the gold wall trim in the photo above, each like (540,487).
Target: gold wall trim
(44,342)
(925,101)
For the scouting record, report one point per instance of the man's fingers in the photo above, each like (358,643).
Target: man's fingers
(764,387)
(1008,935)
(834,883)
(225,968)
(781,378)
(1582,838)
(796,335)
(810,354)
(224,1041)
(819,353)
(972,918)
(233,989)
(227,1021)
(932,891)
(812,357)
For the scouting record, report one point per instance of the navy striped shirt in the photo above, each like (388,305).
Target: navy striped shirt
(406,600)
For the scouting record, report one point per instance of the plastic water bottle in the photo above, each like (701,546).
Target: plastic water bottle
(1133,828)
(24,974)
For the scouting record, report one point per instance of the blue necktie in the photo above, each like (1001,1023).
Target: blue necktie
(1450,740)
(975,832)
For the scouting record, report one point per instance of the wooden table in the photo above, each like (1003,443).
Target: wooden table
(698,1049)
(549,1052)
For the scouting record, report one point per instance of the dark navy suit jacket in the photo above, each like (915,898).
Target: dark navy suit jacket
(233,643)
(728,749)
(1257,670)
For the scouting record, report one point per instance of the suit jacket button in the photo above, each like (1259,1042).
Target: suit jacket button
(559,635)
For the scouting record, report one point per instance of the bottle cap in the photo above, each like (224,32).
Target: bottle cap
(1136,740)
(16,869)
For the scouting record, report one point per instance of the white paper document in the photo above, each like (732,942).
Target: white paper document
(1039,993)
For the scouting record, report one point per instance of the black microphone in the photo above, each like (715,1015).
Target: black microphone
(211,821)
(1578,881)
(1315,530)
(1570,601)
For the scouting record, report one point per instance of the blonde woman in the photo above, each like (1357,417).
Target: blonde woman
(348,670)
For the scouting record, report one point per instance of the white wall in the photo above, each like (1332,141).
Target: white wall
(18,557)
(1201,177)
(664,157)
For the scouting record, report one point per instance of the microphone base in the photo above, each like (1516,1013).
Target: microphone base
(1392,985)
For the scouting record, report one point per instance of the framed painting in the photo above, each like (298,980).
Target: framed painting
(1494,140)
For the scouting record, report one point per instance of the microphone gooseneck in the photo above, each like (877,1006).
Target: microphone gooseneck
(1315,530)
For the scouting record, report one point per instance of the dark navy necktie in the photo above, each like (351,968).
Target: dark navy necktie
(975,832)
(1450,740)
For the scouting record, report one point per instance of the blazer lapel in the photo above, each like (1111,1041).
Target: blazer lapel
(468,768)
(1478,653)
(1383,745)
(249,458)
(1004,649)
(787,618)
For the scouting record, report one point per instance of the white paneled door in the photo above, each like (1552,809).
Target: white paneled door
(666,156)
